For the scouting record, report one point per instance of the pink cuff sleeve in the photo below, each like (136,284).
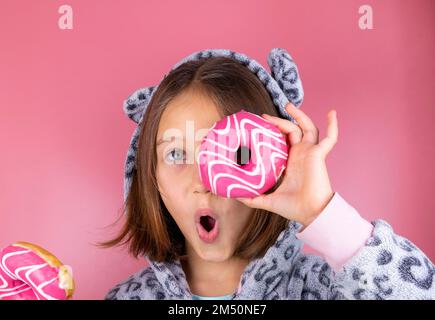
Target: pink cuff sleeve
(337,233)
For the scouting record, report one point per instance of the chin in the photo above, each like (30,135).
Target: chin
(214,254)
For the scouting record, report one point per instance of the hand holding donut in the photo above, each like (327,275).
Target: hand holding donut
(305,189)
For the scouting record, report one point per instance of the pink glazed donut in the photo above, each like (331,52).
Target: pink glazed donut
(242,156)
(28,272)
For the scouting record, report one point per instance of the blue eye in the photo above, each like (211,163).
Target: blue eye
(176,155)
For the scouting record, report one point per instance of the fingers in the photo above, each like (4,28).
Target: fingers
(259,202)
(294,131)
(306,131)
(310,133)
(331,133)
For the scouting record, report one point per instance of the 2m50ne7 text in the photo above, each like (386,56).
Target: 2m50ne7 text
(239,309)
(242,309)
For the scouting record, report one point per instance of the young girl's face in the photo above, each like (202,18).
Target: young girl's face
(188,115)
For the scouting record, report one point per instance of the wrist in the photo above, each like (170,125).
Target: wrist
(337,233)
(315,212)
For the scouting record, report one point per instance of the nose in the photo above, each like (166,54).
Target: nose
(197,185)
(199,188)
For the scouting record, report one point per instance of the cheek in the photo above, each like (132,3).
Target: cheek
(173,195)
(239,214)
(238,206)
(170,182)
(244,215)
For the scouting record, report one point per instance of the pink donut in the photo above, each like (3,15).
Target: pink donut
(28,272)
(243,155)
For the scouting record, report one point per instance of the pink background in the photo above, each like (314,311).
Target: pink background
(64,137)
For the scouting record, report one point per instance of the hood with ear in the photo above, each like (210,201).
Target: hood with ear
(283,84)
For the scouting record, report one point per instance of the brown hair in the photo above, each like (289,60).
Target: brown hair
(149,228)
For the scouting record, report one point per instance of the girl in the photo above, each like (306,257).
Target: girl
(257,253)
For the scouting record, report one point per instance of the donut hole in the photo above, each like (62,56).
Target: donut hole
(243,155)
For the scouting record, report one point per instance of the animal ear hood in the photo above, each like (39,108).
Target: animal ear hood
(283,84)
(135,105)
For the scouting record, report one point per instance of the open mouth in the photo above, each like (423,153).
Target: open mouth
(207,225)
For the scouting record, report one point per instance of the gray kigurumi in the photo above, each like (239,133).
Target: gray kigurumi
(388,266)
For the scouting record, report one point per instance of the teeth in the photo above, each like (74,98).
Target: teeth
(208,223)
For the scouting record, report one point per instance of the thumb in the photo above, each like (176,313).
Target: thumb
(260,202)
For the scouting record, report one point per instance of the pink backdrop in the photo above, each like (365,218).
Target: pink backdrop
(63,135)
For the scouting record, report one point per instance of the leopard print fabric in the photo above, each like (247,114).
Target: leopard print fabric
(388,266)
